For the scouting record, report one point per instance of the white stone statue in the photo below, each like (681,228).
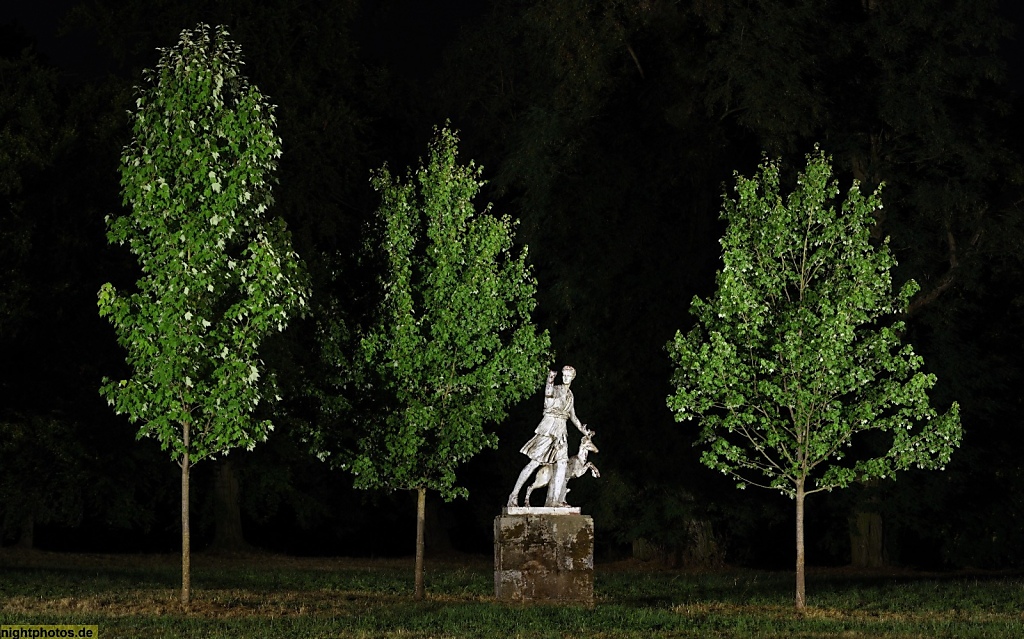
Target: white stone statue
(549,446)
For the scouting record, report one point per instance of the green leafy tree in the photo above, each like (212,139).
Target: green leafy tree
(799,350)
(218,273)
(454,344)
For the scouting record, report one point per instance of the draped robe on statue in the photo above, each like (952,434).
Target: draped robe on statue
(549,443)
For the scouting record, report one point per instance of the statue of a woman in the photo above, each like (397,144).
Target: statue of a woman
(549,444)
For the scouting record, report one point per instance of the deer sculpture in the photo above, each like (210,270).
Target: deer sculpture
(577,467)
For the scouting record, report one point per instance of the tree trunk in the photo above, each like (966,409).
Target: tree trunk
(421,511)
(26,536)
(867,547)
(227,513)
(702,549)
(186,544)
(801,587)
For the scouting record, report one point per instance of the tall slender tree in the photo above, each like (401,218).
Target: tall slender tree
(798,354)
(454,345)
(218,272)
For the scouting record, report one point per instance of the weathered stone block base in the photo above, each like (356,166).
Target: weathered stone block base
(544,558)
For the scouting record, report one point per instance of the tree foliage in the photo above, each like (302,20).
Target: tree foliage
(218,272)
(797,352)
(302,53)
(454,345)
(794,354)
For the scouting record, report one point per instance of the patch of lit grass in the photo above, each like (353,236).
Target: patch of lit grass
(281,597)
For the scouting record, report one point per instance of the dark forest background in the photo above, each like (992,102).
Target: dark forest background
(611,129)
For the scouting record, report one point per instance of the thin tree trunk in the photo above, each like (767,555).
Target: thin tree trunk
(801,588)
(421,512)
(227,528)
(186,544)
(26,536)
(867,544)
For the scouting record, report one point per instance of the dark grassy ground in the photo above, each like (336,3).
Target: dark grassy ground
(274,596)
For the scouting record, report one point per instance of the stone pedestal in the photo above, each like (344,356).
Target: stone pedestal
(544,557)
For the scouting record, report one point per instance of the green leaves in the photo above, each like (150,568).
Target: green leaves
(454,344)
(218,274)
(798,351)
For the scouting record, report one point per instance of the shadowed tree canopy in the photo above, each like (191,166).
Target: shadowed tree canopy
(904,92)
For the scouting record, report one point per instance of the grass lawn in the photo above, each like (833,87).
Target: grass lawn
(280,597)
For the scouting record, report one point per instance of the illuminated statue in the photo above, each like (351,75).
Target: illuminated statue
(549,446)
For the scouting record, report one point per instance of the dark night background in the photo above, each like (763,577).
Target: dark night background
(610,128)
